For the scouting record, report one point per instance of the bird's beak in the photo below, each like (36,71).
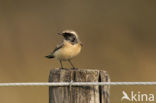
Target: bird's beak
(59,33)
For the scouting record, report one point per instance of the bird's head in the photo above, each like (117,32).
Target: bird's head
(70,36)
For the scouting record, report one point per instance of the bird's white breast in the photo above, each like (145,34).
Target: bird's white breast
(68,51)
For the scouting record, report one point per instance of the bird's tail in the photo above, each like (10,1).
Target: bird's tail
(49,56)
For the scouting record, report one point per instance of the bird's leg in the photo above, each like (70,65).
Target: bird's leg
(71,63)
(61,64)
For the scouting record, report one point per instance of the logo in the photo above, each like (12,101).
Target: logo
(137,97)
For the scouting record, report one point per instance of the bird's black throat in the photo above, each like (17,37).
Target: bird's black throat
(70,37)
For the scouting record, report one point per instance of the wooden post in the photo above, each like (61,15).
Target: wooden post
(78,94)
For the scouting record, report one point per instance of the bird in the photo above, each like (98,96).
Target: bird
(68,49)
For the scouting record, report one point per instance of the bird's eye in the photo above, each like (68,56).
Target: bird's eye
(67,34)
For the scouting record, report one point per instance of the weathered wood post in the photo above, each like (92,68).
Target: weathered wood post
(78,94)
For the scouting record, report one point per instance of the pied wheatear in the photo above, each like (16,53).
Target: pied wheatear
(69,48)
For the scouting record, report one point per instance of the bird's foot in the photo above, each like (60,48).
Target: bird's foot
(74,68)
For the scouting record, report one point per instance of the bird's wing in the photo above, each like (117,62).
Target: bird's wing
(51,55)
(58,47)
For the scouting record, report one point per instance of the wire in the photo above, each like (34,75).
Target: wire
(75,84)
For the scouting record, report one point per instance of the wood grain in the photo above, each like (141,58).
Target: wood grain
(78,94)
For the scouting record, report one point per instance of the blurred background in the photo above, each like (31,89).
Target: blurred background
(118,36)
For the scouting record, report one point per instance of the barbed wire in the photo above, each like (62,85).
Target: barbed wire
(75,84)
